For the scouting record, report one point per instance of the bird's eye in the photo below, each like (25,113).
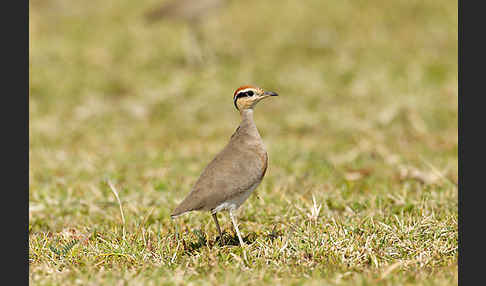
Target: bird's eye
(250,93)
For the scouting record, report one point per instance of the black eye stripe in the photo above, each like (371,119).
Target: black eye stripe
(242,94)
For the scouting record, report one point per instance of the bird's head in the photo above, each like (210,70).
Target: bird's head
(247,96)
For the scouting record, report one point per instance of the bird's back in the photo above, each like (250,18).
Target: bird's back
(237,169)
(191,10)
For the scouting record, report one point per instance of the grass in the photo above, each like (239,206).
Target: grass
(361,187)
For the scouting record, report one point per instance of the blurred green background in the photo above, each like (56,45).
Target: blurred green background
(367,111)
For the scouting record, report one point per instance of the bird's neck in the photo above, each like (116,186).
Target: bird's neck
(247,124)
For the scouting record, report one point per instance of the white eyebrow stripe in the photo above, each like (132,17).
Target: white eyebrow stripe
(244,90)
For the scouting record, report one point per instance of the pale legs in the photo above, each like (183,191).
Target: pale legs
(236,228)
(233,219)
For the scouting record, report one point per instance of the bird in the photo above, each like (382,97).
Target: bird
(194,13)
(230,178)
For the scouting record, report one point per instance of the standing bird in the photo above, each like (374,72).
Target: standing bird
(194,13)
(237,170)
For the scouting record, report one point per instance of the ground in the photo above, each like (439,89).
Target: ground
(361,186)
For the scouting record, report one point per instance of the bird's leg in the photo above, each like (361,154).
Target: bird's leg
(176,226)
(215,217)
(233,219)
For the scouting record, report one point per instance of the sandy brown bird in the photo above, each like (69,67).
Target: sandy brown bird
(237,170)
(192,11)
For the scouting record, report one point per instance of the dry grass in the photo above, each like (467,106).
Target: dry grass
(361,187)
